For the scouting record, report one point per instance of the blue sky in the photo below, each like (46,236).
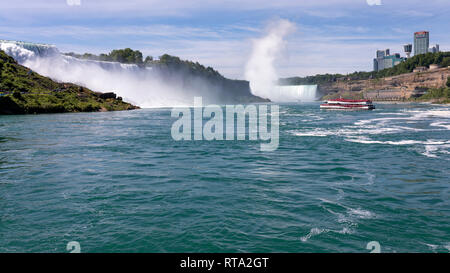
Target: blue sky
(334,36)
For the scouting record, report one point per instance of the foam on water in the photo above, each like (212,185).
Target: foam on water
(441,124)
(366,140)
(419,114)
(447,246)
(433,151)
(318,231)
(360,213)
(346,218)
(390,125)
(438,247)
(314,231)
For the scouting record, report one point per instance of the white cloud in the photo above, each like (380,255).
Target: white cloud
(374,2)
(321,46)
(101,8)
(73,2)
(312,50)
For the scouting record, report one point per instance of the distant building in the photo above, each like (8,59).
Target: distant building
(408,49)
(434,49)
(378,62)
(385,60)
(434,66)
(421,42)
(383,53)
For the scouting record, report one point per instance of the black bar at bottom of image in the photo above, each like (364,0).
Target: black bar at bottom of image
(231,262)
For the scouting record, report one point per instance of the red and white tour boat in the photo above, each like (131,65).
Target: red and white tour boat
(344,104)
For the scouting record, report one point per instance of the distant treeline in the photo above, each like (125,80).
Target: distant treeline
(440,58)
(130,56)
(190,75)
(127,56)
(175,63)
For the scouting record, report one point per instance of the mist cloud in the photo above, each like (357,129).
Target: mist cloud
(141,86)
(260,70)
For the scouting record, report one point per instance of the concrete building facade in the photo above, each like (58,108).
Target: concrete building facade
(421,42)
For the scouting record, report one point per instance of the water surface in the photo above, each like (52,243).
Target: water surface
(117,182)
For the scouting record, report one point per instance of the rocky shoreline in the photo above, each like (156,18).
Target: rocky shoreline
(409,86)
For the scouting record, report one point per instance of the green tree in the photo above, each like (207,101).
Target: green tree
(89,56)
(104,57)
(126,55)
(445,62)
(441,58)
(169,60)
(148,60)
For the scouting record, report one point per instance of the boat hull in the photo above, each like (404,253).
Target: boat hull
(345,104)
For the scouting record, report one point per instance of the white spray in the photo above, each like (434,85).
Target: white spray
(135,85)
(260,69)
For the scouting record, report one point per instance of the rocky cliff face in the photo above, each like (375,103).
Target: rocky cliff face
(389,88)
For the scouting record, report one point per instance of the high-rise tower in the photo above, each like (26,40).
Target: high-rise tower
(421,42)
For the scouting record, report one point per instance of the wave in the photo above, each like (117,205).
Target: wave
(318,231)
(441,124)
(433,150)
(430,113)
(434,248)
(355,131)
(366,140)
(413,121)
(346,216)
(360,213)
(431,147)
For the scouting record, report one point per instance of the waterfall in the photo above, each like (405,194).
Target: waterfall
(23,51)
(143,87)
(293,93)
(139,86)
(154,86)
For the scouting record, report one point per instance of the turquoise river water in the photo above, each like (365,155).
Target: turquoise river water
(118,182)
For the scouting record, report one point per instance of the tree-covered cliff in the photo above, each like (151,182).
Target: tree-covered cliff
(206,81)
